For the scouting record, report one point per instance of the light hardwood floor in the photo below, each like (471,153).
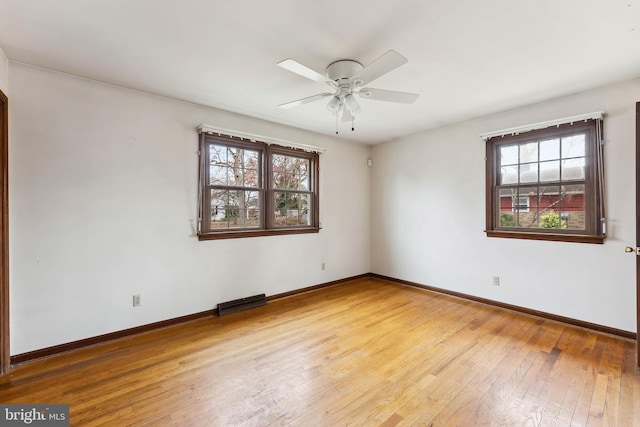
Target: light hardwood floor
(363,353)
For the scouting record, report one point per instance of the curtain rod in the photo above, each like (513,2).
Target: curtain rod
(265,139)
(526,128)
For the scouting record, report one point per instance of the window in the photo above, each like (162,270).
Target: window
(250,189)
(546,184)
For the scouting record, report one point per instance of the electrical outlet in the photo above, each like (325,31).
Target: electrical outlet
(137,300)
(496,280)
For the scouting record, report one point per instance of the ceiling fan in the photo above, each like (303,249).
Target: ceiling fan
(347,79)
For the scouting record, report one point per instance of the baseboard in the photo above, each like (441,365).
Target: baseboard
(75,345)
(544,315)
(316,287)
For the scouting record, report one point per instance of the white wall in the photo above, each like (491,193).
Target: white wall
(103,195)
(103,188)
(428,217)
(4,71)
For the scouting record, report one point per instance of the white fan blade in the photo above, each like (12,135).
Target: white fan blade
(387,95)
(304,71)
(387,62)
(305,100)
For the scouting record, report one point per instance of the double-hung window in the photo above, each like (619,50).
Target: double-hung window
(249,188)
(547,184)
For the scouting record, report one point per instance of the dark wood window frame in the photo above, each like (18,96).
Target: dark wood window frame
(267,225)
(594,195)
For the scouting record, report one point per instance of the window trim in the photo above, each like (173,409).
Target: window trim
(268,227)
(593,201)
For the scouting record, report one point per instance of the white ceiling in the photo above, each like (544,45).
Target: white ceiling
(467,58)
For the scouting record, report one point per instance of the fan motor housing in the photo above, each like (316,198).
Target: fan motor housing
(343,69)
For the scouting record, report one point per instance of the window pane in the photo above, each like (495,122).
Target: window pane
(518,207)
(219,203)
(235,209)
(250,159)
(279,180)
(296,182)
(304,218)
(233,166)
(292,217)
(573,206)
(290,173)
(280,211)
(219,198)
(573,169)
(573,196)
(507,219)
(509,155)
(234,161)
(529,152)
(251,171)
(279,162)
(509,175)
(217,165)
(550,203)
(219,219)
(506,199)
(289,182)
(252,213)
(217,175)
(292,209)
(249,178)
(551,218)
(252,199)
(529,172)
(278,165)
(525,206)
(573,146)
(550,171)
(236,202)
(520,203)
(218,154)
(550,149)
(300,173)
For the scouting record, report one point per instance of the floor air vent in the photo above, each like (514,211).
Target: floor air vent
(241,304)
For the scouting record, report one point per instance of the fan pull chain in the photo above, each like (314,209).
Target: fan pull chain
(353,119)
(337,123)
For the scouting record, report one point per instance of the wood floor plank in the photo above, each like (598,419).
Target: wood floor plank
(629,388)
(365,353)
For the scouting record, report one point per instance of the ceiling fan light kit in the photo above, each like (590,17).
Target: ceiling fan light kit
(334,104)
(346,77)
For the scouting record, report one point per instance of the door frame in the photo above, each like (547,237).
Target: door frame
(4,235)
(638,233)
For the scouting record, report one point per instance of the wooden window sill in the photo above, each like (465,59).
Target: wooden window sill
(257,233)
(574,238)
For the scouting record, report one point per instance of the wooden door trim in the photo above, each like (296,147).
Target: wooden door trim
(4,235)
(638,233)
